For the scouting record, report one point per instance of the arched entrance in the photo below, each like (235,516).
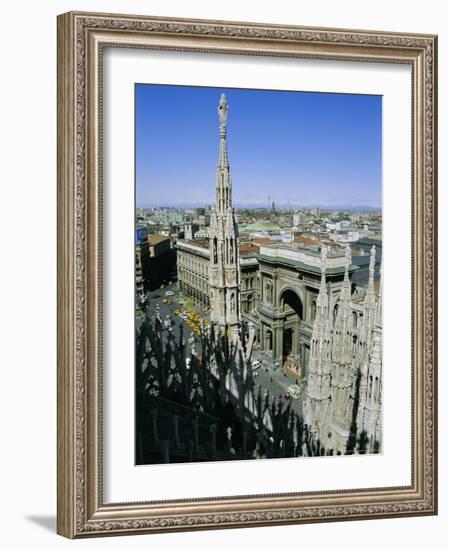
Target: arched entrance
(287,343)
(290,300)
(291,306)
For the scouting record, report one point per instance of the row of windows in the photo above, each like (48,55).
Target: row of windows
(249,304)
(249,283)
(195,293)
(184,271)
(355,316)
(186,260)
(190,267)
(374,389)
(194,281)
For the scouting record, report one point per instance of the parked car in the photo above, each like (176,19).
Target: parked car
(169,293)
(256,365)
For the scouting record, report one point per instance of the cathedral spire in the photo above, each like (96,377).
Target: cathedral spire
(369,415)
(372,264)
(316,405)
(321,322)
(379,299)
(369,312)
(346,290)
(224,265)
(343,348)
(223,181)
(223,114)
(342,340)
(322,301)
(370,298)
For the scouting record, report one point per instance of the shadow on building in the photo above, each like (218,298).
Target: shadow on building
(194,408)
(155,262)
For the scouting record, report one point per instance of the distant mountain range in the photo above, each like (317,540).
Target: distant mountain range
(281,207)
(356,207)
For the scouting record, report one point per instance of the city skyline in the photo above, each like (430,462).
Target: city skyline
(334,161)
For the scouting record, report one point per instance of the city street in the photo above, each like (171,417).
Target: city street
(274,379)
(269,376)
(157,297)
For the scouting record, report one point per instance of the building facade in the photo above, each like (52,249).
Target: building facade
(289,279)
(193,272)
(155,261)
(343,405)
(300,304)
(142,255)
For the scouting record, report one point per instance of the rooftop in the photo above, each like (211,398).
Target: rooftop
(304,259)
(248,248)
(157,238)
(262,226)
(306,241)
(263,240)
(202,243)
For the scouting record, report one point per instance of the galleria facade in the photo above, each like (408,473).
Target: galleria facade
(279,287)
(301,305)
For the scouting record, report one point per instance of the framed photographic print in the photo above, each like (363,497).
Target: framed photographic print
(246,274)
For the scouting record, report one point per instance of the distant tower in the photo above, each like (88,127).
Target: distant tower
(224,266)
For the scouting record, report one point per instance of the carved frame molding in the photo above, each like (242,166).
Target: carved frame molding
(81,38)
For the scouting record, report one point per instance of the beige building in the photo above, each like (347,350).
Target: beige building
(193,271)
(193,259)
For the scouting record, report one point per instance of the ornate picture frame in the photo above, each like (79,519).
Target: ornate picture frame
(82,38)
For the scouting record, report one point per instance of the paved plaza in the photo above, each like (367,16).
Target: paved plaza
(270,376)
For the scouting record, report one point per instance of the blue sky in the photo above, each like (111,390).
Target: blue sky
(301,148)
